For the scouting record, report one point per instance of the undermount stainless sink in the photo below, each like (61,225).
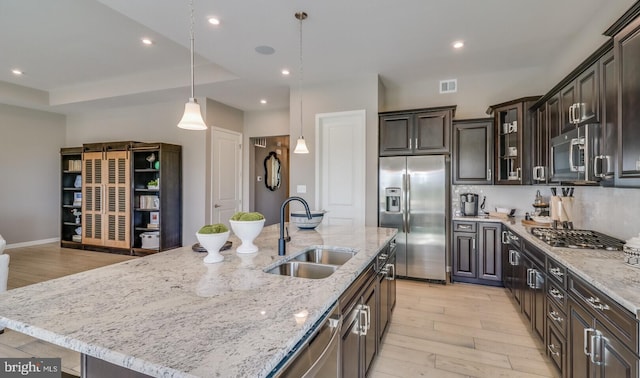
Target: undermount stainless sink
(330,256)
(303,269)
(314,262)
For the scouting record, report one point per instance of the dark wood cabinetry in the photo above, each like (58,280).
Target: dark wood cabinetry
(472,158)
(540,147)
(627,58)
(606,162)
(415,132)
(477,252)
(580,99)
(513,124)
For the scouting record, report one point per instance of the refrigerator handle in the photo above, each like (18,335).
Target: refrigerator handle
(403,205)
(408,207)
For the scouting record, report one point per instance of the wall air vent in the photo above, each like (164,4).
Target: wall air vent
(449,86)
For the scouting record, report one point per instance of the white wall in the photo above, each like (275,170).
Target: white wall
(157,123)
(346,95)
(30,143)
(608,210)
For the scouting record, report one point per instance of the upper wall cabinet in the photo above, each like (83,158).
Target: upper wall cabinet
(606,162)
(416,132)
(514,124)
(472,158)
(580,99)
(627,57)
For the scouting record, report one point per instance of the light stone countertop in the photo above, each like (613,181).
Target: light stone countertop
(171,315)
(605,270)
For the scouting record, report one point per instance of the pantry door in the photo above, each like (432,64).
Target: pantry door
(340,167)
(226,175)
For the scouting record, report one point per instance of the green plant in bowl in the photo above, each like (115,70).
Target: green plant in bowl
(212,237)
(217,228)
(247,217)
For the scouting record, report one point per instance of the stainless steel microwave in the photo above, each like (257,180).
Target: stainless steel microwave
(573,154)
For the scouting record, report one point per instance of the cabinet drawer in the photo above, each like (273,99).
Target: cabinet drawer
(535,254)
(556,348)
(557,272)
(557,295)
(459,226)
(617,319)
(557,317)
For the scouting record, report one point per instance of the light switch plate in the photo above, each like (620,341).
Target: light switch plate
(301,189)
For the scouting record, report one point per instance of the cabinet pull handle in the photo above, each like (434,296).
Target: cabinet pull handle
(362,326)
(391,267)
(596,348)
(552,350)
(555,316)
(464,226)
(410,143)
(595,303)
(556,272)
(578,113)
(585,341)
(529,277)
(504,237)
(511,262)
(473,245)
(596,165)
(488,174)
(518,173)
(570,114)
(556,293)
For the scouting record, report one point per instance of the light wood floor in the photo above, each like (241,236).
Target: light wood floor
(438,331)
(458,330)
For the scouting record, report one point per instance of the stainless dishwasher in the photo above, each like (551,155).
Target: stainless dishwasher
(318,355)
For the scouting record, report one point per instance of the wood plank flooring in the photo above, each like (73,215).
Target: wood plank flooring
(458,330)
(438,331)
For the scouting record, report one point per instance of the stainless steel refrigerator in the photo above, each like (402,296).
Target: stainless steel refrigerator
(413,198)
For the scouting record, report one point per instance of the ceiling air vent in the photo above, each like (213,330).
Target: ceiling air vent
(449,86)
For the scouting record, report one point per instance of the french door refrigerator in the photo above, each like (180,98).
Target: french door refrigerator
(413,192)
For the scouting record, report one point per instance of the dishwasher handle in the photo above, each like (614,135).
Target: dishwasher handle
(335,323)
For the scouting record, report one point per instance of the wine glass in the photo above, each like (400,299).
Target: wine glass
(151,158)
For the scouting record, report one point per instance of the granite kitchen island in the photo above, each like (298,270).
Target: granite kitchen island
(171,315)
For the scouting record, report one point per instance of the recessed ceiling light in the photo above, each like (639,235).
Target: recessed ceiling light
(214,21)
(285,72)
(458,44)
(17,72)
(147,41)
(263,101)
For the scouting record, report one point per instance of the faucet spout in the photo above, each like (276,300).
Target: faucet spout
(282,242)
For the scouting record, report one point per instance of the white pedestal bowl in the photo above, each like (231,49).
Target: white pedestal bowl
(247,231)
(212,243)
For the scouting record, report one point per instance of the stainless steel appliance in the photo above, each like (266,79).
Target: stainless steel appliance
(574,155)
(413,193)
(469,204)
(586,239)
(318,355)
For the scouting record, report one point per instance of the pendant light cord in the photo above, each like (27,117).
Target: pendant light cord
(191,36)
(301,17)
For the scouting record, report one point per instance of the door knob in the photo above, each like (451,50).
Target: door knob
(216,206)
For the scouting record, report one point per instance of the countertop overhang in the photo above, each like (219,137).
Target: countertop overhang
(171,315)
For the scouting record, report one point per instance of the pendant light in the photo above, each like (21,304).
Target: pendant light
(192,118)
(301,145)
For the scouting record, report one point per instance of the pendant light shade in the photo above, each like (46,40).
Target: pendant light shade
(192,117)
(301,145)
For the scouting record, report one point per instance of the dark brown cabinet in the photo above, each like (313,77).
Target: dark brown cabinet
(540,147)
(477,252)
(607,160)
(513,123)
(627,58)
(580,99)
(71,197)
(415,132)
(387,288)
(472,158)
(554,116)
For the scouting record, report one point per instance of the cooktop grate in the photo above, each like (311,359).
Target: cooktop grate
(586,239)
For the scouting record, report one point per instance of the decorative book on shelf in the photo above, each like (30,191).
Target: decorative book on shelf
(77,199)
(149,202)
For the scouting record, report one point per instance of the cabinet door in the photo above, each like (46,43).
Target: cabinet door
(489,251)
(464,256)
(567,100)
(527,301)
(350,348)
(627,56)
(539,305)
(579,364)
(588,94)
(396,134)
(431,132)
(392,284)
(117,195)
(556,348)
(473,152)
(618,360)
(383,308)
(507,268)
(370,299)
(540,146)
(508,147)
(92,198)
(555,116)
(608,118)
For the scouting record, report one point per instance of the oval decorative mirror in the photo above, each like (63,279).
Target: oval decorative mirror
(272,171)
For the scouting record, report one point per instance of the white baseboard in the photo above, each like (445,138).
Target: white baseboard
(31,243)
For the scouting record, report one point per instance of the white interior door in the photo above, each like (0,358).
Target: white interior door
(340,167)
(226,175)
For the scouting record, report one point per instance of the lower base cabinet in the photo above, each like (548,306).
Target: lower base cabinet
(477,252)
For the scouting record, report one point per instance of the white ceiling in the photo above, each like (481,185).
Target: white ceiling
(80,55)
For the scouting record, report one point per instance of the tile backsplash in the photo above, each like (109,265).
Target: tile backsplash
(612,211)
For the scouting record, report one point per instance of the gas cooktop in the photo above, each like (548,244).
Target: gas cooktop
(577,239)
